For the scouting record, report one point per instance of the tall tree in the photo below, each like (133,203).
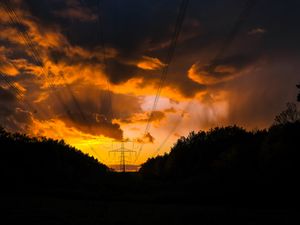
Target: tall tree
(289,115)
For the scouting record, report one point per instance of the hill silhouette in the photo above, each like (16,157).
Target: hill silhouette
(223,176)
(230,161)
(29,162)
(226,175)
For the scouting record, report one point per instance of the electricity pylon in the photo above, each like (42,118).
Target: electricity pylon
(122,150)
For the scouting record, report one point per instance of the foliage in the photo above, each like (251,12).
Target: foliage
(289,115)
(233,157)
(45,162)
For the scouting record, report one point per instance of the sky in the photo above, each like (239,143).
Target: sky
(88,71)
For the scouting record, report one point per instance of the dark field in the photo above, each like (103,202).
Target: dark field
(49,209)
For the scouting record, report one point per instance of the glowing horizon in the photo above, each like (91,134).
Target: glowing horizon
(63,81)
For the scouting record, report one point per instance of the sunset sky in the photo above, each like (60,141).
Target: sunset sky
(88,72)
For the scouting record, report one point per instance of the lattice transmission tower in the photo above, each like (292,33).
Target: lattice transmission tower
(123,151)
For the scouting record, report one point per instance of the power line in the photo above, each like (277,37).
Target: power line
(249,5)
(14,20)
(178,25)
(5,79)
(109,115)
(245,13)
(173,129)
(18,92)
(100,29)
(100,158)
(102,40)
(101,37)
(23,35)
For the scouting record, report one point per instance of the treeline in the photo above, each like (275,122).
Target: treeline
(235,159)
(43,162)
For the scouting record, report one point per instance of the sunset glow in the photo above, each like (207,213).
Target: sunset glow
(69,84)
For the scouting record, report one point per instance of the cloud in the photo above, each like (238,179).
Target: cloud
(170,110)
(224,69)
(155,116)
(119,72)
(254,100)
(12,115)
(97,117)
(147,138)
(239,69)
(76,13)
(257,31)
(6,96)
(95,124)
(148,63)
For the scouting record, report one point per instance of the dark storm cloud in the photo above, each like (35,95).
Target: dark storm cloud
(12,116)
(7,96)
(242,18)
(119,72)
(133,29)
(256,99)
(63,55)
(238,48)
(222,69)
(95,124)
(97,118)
(217,37)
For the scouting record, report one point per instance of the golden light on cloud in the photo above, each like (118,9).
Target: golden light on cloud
(58,130)
(8,69)
(201,77)
(93,92)
(137,87)
(149,63)
(83,70)
(219,74)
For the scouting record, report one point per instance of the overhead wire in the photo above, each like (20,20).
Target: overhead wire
(109,114)
(14,20)
(104,58)
(170,54)
(245,13)
(21,99)
(100,24)
(173,129)
(23,35)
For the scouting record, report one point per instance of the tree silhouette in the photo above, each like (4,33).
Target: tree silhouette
(44,162)
(235,159)
(289,115)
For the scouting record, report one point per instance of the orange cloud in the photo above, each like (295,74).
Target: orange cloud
(136,86)
(8,69)
(83,71)
(156,116)
(202,76)
(149,63)
(97,127)
(147,138)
